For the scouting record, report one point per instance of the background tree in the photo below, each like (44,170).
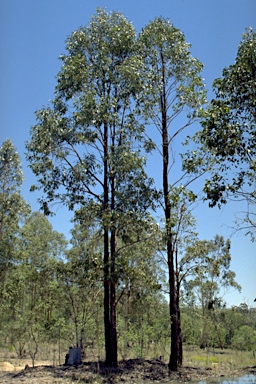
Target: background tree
(13,208)
(244,339)
(140,277)
(183,226)
(32,299)
(87,146)
(173,93)
(208,263)
(232,319)
(81,279)
(228,133)
(40,250)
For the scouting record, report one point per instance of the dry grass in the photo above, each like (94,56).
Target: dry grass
(197,364)
(193,356)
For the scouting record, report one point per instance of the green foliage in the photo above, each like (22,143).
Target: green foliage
(144,323)
(13,210)
(11,173)
(91,129)
(190,326)
(31,298)
(219,328)
(170,71)
(228,134)
(172,97)
(244,338)
(208,265)
(205,268)
(87,148)
(12,206)
(87,151)
(80,280)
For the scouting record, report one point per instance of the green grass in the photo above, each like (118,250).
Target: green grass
(230,358)
(205,359)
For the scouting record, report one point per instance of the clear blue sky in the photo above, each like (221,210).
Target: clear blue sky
(33,34)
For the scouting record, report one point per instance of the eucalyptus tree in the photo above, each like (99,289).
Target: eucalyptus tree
(138,272)
(228,133)
(81,278)
(13,208)
(32,302)
(40,250)
(85,147)
(244,339)
(172,97)
(206,268)
(209,264)
(184,234)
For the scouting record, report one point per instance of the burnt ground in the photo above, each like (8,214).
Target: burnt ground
(129,371)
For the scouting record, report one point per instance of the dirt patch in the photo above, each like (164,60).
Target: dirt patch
(129,371)
(5,366)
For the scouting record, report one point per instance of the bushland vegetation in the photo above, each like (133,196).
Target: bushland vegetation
(124,283)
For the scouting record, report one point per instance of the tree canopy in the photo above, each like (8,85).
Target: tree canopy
(13,208)
(172,98)
(228,133)
(89,147)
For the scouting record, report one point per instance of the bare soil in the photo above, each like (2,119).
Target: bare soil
(129,371)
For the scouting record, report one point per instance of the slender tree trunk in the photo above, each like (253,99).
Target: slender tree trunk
(75,318)
(179,334)
(113,273)
(173,361)
(106,300)
(4,264)
(113,301)
(109,263)
(106,255)
(126,316)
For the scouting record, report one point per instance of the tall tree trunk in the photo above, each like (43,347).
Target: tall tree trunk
(106,255)
(106,299)
(173,361)
(126,315)
(113,301)
(179,334)
(109,263)
(113,273)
